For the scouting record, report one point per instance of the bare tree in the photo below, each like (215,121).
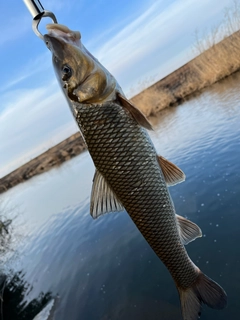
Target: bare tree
(229,25)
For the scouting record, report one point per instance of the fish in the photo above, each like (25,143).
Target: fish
(129,174)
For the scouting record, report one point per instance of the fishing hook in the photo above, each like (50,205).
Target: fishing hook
(37,11)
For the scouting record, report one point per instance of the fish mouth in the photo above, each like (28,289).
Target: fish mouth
(63,32)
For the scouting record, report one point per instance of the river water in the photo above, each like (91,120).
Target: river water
(103,269)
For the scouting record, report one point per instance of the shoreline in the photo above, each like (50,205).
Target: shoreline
(214,64)
(55,156)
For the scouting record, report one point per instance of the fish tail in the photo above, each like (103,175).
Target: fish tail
(204,290)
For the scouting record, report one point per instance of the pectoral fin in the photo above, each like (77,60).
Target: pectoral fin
(135,113)
(171,172)
(188,230)
(103,199)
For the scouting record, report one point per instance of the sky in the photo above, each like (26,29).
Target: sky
(138,41)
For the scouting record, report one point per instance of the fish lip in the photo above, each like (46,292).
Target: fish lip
(63,32)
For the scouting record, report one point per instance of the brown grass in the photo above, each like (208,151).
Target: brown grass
(212,65)
(229,25)
(214,62)
(53,157)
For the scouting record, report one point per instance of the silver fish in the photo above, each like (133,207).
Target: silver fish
(129,174)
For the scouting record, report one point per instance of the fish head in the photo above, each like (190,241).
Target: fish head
(81,76)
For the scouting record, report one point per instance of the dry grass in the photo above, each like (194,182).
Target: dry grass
(214,62)
(229,25)
(53,157)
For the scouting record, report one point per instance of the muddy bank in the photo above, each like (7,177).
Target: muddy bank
(212,65)
(55,156)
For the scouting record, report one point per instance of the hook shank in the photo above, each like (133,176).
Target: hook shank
(37,11)
(35,8)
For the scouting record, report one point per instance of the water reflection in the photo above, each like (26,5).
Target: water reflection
(104,269)
(11,234)
(13,303)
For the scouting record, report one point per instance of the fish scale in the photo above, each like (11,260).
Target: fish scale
(129,164)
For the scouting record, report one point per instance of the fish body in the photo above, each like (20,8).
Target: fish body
(124,155)
(129,174)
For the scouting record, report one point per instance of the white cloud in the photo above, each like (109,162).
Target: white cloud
(40,64)
(57,135)
(33,119)
(154,37)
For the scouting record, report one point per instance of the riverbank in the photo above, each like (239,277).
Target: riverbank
(212,65)
(53,157)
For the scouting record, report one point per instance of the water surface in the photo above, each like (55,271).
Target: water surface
(104,269)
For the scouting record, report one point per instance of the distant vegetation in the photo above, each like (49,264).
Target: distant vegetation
(203,40)
(215,60)
(53,157)
(229,25)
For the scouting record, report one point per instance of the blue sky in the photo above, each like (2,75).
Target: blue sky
(138,41)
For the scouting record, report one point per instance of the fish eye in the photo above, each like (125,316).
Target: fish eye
(67,72)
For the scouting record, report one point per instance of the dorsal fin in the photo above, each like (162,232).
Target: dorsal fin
(135,112)
(171,172)
(103,200)
(188,230)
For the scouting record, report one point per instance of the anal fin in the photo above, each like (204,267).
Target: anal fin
(171,172)
(188,230)
(103,199)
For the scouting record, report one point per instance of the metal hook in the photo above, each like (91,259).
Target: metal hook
(37,11)
(36,22)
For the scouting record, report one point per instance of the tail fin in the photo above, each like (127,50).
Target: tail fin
(204,290)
